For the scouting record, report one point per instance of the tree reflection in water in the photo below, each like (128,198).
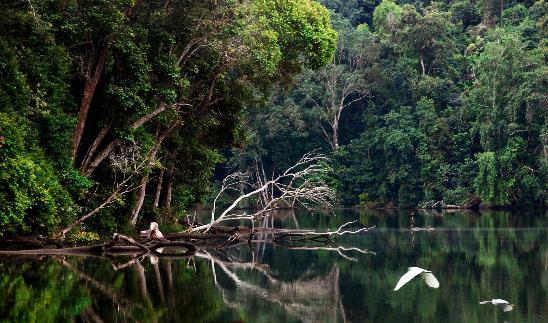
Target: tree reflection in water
(475,256)
(310,299)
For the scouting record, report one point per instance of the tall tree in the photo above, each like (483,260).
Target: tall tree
(341,84)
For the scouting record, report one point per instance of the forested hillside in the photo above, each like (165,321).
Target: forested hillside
(120,111)
(117,109)
(425,103)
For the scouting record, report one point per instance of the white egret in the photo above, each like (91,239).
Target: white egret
(412,272)
(153,233)
(505,305)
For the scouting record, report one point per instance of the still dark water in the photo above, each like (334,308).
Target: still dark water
(474,256)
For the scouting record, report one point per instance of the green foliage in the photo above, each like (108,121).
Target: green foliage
(505,103)
(456,104)
(295,32)
(83,237)
(428,101)
(364,199)
(33,198)
(488,185)
(37,183)
(386,15)
(356,11)
(40,292)
(205,60)
(465,13)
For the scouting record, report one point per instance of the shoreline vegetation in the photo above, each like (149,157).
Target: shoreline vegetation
(115,114)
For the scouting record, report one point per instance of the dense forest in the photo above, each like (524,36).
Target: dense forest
(123,106)
(425,103)
(126,110)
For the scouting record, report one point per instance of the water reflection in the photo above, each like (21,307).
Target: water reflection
(307,298)
(475,256)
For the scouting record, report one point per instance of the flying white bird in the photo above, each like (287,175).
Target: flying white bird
(414,271)
(505,305)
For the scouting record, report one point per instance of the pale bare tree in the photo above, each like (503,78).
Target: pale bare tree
(339,85)
(300,185)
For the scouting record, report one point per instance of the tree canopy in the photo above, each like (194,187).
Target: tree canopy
(134,109)
(454,109)
(95,92)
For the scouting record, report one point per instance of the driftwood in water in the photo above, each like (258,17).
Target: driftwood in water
(156,244)
(118,245)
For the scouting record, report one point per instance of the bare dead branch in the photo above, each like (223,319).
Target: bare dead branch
(301,184)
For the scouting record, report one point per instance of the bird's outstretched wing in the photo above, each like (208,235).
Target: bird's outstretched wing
(430,279)
(410,274)
(504,305)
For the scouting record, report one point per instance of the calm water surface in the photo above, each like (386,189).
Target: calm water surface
(474,256)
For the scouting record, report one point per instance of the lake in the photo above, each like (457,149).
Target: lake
(474,256)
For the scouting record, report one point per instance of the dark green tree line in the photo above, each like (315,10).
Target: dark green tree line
(455,106)
(94,93)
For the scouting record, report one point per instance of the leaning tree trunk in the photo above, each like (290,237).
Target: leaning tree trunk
(91,151)
(93,162)
(87,96)
(143,182)
(91,86)
(158,189)
(140,200)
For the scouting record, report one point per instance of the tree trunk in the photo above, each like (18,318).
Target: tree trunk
(89,215)
(90,87)
(100,157)
(149,116)
(144,179)
(140,200)
(94,146)
(169,192)
(89,91)
(501,11)
(94,162)
(158,189)
(335,139)
(488,13)
(422,63)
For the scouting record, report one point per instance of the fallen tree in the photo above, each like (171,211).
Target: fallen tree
(180,245)
(300,185)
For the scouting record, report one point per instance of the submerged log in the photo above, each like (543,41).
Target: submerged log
(216,238)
